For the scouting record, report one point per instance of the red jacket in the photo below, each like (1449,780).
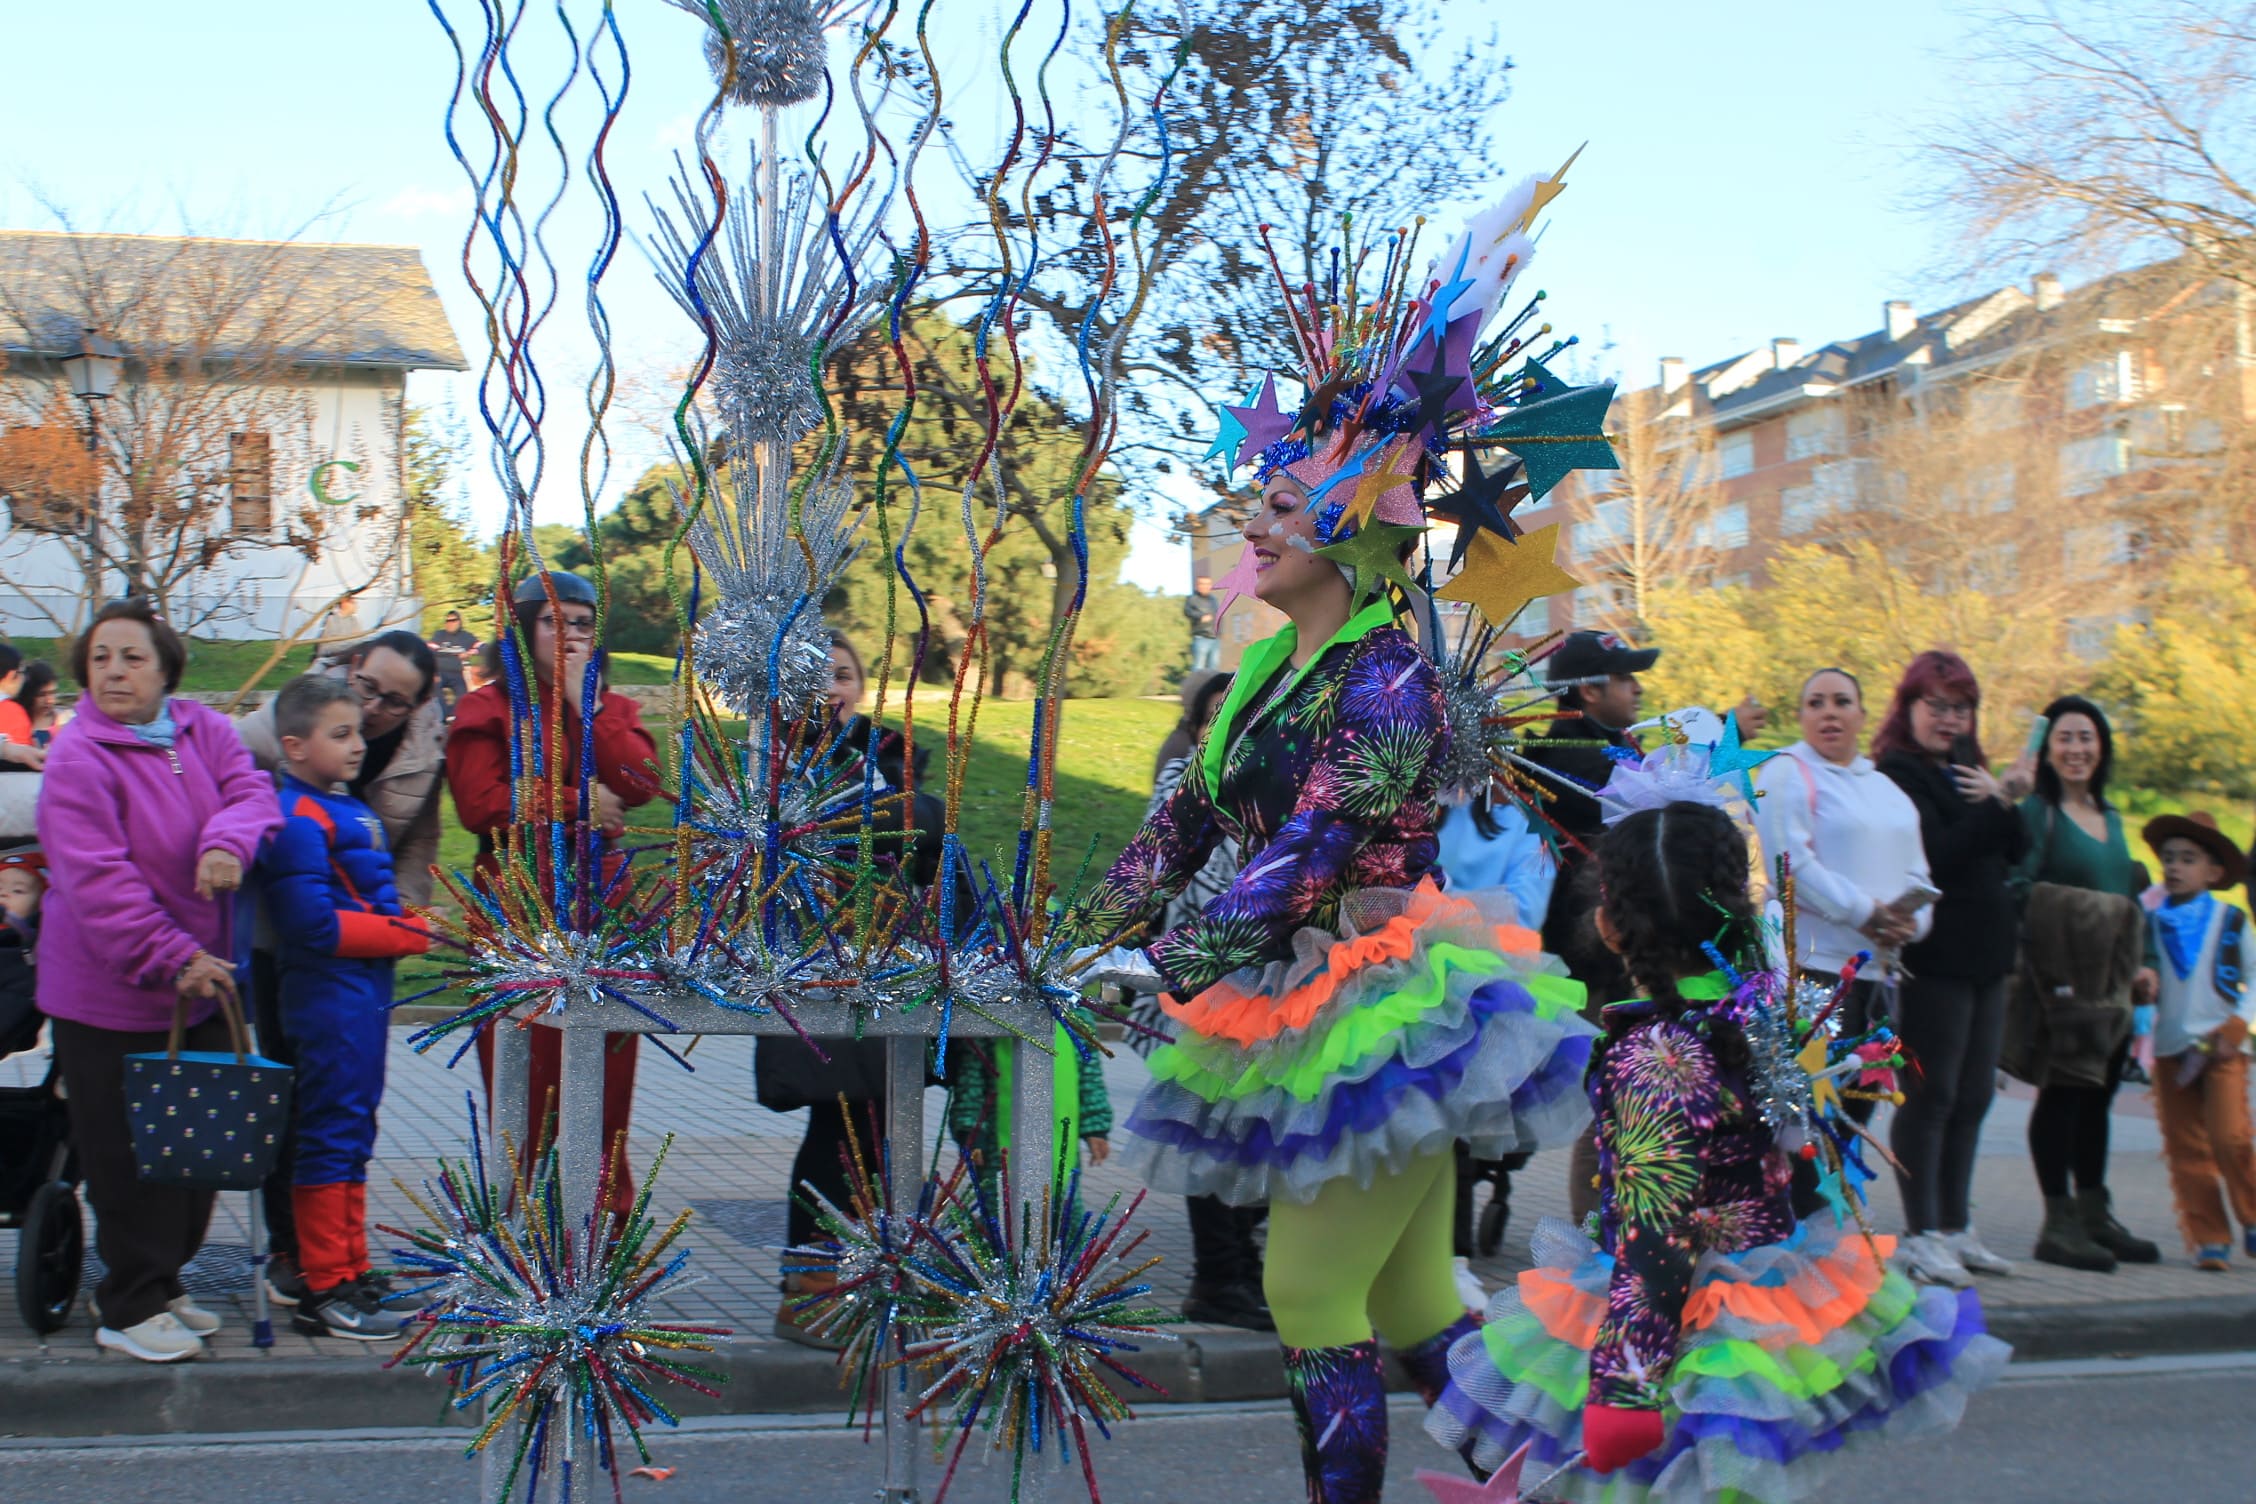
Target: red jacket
(477,762)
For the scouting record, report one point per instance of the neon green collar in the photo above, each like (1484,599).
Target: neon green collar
(1259,662)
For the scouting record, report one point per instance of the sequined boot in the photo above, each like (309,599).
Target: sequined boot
(1427,1362)
(1339,1399)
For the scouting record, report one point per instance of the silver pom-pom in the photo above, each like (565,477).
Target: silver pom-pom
(780,52)
(1473,746)
(763,386)
(737,635)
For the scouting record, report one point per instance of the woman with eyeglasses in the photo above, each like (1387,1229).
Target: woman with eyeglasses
(2076,843)
(1950,1008)
(395,678)
(548,663)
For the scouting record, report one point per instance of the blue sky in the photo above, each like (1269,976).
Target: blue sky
(1748,173)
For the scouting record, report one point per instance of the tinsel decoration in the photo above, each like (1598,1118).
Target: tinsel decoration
(759,646)
(547,1317)
(780,54)
(762,383)
(1034,1313)
(868,1300)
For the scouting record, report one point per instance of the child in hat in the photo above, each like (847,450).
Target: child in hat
(2201,1036)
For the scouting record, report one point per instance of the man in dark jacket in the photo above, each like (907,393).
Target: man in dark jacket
(1594,675)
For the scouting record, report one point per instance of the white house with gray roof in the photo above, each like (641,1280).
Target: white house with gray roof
(251,459)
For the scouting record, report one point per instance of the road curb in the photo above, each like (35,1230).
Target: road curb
(241,1392)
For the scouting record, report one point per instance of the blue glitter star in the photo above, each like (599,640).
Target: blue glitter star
(1437,321)
(1730,757)
(1231,435)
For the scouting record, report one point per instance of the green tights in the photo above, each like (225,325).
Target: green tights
(1353,1259)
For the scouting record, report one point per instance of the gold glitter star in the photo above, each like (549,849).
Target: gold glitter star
(1500,578)
(1547,190)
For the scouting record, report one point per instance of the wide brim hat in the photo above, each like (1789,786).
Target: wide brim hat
(2200,827)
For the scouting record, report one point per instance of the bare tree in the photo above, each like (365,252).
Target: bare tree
(1301,119)
(2104,134)
(219,337)
(1644,529)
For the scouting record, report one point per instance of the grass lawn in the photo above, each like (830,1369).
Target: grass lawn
(213,667)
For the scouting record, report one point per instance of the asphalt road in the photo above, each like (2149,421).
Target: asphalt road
(2173,1429)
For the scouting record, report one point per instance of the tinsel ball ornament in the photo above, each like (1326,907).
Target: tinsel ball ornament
(780,53)
(735,641)
(763,383)
(1474,747)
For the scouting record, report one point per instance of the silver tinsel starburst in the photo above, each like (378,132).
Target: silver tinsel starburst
(780,53)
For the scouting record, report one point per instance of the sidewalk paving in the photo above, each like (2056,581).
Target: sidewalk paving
(731,1162)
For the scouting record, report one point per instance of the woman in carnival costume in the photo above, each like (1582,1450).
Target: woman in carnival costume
(1707,1347)
(1340,1020)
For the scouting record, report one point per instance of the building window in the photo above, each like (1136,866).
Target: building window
(2088,464)
(1992,568)
(2104,381)
(250,483)
(2092,637)
(1993,405)
(1813,431)
(1725,527)
(2092,552)
(1607,526)
(1800,508)
(1736,452)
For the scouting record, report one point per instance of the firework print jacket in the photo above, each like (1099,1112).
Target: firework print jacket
(1325,779)
(1687,1166)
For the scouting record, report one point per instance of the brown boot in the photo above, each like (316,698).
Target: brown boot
(793,1317)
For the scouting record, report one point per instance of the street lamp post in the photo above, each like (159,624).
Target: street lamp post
(93,374)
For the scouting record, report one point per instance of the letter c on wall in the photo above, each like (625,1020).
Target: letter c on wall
(317,483)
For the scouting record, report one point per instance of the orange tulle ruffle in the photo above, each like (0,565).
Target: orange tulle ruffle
(1850,1271)
(1227,1011)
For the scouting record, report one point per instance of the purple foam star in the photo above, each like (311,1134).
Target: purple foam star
(1454,357)
(1263,422)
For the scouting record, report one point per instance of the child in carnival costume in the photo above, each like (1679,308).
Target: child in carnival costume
(1341,1021)
(1707,1347)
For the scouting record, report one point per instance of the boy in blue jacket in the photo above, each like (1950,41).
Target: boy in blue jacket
(326,879)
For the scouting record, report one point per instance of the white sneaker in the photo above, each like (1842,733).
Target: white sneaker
(192,1316)
(160,1339)
(1470,1292)
(1927,1259)
(1968,1249)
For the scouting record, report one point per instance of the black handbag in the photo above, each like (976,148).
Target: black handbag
(207,1118)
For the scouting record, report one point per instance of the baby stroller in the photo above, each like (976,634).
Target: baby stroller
(38,1172)
(39,1197)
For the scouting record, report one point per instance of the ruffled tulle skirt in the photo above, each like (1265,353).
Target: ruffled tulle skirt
(1427,1018)
(1795,1355)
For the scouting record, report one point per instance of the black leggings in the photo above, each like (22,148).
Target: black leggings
(2068,1131)
(821,1163)
(1952,1031)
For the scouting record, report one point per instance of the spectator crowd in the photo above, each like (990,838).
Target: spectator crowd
(191,871)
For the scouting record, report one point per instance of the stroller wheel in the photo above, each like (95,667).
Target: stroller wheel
(1492,1219)
(49,1253)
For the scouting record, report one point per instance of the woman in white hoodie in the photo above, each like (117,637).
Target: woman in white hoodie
(1852,837)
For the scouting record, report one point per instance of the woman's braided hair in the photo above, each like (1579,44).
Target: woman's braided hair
(1673,883)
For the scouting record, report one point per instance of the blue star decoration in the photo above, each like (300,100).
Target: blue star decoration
(1231,434)
(1835,1193)
(1559,433)
(1730,758)
(1437,321)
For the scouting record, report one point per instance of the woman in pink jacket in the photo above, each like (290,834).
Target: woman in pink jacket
(150,814)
